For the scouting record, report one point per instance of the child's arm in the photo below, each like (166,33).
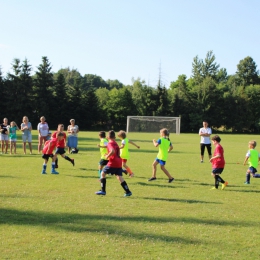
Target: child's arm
(17,127)
(130,142)
(155,143)
(121,146)
(101,146)
(214,157)
(170,148)
(110,153)
(245,160)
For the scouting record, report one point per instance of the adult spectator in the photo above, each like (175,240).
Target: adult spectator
(4,135)
(43,130)
(72,131)
(26,128)
(205,133)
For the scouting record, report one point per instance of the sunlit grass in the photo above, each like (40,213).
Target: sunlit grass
(60,217)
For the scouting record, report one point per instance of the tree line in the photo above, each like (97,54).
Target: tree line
(228,102)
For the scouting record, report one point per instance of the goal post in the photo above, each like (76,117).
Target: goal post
(153,124)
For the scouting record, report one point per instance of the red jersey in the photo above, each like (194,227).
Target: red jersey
(114,160)
(218,162)
(52,143)
(62,142)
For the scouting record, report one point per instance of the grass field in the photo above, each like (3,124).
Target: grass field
(60,217)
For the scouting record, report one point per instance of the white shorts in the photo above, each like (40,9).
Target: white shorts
(3,137)
(27,138)
(13,140)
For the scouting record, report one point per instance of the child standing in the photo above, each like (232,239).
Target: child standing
(12,136)
(103,151)
(165,146)
(218,163)
(252,157)
(61,144)
(47,152)
(124,152)
(114,166)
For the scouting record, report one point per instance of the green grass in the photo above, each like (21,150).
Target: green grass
(60,217)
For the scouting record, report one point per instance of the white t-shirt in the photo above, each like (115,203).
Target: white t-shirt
(74,129)
(43,128)
(205,139)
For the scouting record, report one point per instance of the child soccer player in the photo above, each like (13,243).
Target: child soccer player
(124,152)
(218,163)
(47,152)
(103,151)
(114,166)
(165,146)
(12,136)
(252,157)
(61,144)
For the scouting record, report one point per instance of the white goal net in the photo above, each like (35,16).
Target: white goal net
(153,124)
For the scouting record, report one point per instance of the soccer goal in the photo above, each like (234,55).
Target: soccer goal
(153,124)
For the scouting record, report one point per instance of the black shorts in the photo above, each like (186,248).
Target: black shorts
(60,151)
(47,156)
(217,170)
(112,171)
(103,162)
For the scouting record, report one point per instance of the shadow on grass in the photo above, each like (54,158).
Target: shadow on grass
(168,185)
(183,200)
(249,191)
(83,223)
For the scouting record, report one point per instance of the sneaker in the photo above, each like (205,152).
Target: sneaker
(100,192)
(246,182)
(54,172)
(131,175)
(152,179)
(125,172)
(44,172)
(224,185)
(214,188)
(128,194)
(201,161)
(56,166)
(72,161)
(171,180)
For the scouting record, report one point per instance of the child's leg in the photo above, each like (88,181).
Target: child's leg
(155,163)
(123,184)
(24,148)
(6,146)
(14,147)
(166,172)
(11,147)
(248,176)
(44,166)
(103,181)
(128,170)
(68,159)
(202,149)
(30,146)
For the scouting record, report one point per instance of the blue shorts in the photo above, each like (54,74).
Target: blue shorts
(116,171)
(161,162)
(72,141)
(103,162)
(60,151)
(252,170)
(217,170)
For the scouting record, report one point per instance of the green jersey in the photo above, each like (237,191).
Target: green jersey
(103,151)
(253,157)
(164,144)
(124,152)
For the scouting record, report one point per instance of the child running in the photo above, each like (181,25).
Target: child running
(47,152)
(218,163)
(124,152)
(252,157)
(114,166)
(103,151)
(165,146)
(12,136)
(61,144)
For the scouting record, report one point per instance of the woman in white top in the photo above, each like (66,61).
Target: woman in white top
(72,135)
(43,130)
(205,133)
(26,128)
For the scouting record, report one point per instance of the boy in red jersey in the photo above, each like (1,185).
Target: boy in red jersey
(47,153)
(218,163)
(114,166)
(61,144)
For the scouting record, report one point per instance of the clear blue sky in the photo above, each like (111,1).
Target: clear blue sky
(122,39)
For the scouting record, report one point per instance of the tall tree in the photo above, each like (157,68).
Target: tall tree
(247,72)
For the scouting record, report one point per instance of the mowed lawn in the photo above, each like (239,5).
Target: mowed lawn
(60,217)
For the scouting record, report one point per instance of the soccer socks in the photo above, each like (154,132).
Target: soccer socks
(44,166)
(216,181)
(103,182)
(67,158)
(56,163)
(99,173)
(125,187)
(248,177)
(53,166)
(256,175)
(220,179)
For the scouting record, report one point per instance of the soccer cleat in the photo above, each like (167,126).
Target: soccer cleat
(131,175)
(125,172)
(246,182)
(72,161)
(128,194)
(100,192)
(214,188)
(224,185)
(171,180)
(44,172)
(152,179)
(54,172)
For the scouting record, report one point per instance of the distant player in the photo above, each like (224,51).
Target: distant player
(252,157)
(103,151)
(124,152)
(48,152)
